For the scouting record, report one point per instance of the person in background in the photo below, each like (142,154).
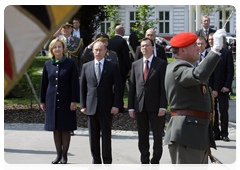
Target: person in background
(88,55)
(206,30)
(59,95)
(79,32)
(134,41)
(119,45)
(225,73)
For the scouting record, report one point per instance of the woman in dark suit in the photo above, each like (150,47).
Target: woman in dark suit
(59,96)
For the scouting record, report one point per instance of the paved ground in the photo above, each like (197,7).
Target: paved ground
(30,144)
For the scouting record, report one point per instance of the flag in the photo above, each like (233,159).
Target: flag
(26,29)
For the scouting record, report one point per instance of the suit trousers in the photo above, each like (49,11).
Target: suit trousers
(181,154)
(143,118)
(103,123)
(223,102)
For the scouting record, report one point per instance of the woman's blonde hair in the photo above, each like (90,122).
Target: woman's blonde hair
(51,45)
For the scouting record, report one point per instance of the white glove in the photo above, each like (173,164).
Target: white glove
(218,38)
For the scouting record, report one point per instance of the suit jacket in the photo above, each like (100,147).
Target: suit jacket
(100,96)
(185,91)
(119,45)
(160,53)
(88,55)
(202,33)
(225,69)
(84,36)
(152,91)
(134,41)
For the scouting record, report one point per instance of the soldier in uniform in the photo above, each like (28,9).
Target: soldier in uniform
(74,44)
(189,132)
(87,54)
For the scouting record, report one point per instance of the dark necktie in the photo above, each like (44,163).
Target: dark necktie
(98,71)
(146,70)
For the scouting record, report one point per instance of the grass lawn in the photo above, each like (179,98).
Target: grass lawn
(22,89)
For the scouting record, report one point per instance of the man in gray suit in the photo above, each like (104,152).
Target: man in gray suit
(147,100)
(206,30)
(87,54)
(189,132)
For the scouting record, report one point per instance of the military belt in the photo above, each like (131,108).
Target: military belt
(191,113)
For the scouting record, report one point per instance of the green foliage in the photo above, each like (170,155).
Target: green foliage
(209,9)
(144,13)
(113,17)
(22,89)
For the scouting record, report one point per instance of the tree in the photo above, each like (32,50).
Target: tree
(113,17)
(144,13)
(91,17)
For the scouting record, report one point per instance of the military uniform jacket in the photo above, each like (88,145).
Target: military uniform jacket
(88,55)
(75,49)
(186,90)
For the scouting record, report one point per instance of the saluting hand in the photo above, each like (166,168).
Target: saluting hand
(42,105)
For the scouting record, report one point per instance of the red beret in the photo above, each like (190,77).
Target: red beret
(183,39)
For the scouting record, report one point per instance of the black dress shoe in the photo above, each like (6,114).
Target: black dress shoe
(63,163)
(55,162)
(144,167)
(94,166)
(225,138)
(108,168)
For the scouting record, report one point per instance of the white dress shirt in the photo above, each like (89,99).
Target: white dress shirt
(101,65)
(76,33)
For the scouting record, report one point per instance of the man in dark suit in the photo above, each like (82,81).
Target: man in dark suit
(226,73)
(133,38)
(80,33)
(147,100)
(205,31)
(158,50)
(119,45)
(189,133)
(100,90)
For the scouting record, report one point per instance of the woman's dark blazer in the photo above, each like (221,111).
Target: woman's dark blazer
(60,87)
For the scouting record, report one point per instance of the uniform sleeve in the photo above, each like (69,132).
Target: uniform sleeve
(44,84)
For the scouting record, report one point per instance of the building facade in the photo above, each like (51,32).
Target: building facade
(173,19)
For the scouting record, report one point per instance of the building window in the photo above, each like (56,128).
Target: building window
(227,27)
(164,26)
(133,19)
(105,26)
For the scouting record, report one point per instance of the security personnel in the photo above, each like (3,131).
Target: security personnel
(87,54)
(74,44)
(189,132)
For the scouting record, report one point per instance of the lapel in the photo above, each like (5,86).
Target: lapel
(153,65)
(92,71)
(104,70)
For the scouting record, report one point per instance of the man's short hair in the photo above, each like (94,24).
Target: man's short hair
(145,39)
(205,16)
(202,38)
(76,18)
